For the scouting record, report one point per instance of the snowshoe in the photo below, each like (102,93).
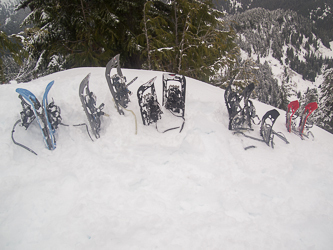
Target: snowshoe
(88,100)
(292,108)
(117,84)
(266,129)
(149,107)
(47,116)
(174,93)
(240,118)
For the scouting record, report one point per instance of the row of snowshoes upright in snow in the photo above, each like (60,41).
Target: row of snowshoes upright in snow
(48,114)
(173,94)
(242,114)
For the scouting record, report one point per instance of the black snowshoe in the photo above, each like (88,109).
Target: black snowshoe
(117,84)
(266,129)
(174,90)
(88,100)
(240,117)
(150,109)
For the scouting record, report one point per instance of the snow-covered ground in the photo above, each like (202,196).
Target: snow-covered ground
(198,189)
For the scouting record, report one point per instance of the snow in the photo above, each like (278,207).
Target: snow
(198,189)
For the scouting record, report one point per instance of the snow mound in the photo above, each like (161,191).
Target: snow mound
(198,189)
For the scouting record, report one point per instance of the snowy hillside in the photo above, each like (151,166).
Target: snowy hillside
(198,189)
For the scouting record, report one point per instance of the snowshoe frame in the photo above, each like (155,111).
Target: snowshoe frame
(88,100)
(240,118)
(149,107)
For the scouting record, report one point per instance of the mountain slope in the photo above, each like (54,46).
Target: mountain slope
(319,11)
(195,190)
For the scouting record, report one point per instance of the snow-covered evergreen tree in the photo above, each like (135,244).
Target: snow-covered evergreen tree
(186,37)
(325,116)
(10,48)
(82,33)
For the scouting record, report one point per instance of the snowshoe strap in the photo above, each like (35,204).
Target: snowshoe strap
(19,144)
(77,125)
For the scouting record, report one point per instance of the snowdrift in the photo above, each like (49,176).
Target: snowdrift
(198,189)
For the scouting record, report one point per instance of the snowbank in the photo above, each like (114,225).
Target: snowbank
(198,189)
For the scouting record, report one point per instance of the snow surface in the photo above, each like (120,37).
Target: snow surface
(198,189)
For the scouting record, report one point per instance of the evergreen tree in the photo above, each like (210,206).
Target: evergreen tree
(10,47)
(82,32)
(325,119)
(186,37)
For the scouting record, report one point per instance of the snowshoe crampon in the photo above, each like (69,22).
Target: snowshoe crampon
(240,109)
(117,84)
(47,116)
(149,107)
(88,100)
